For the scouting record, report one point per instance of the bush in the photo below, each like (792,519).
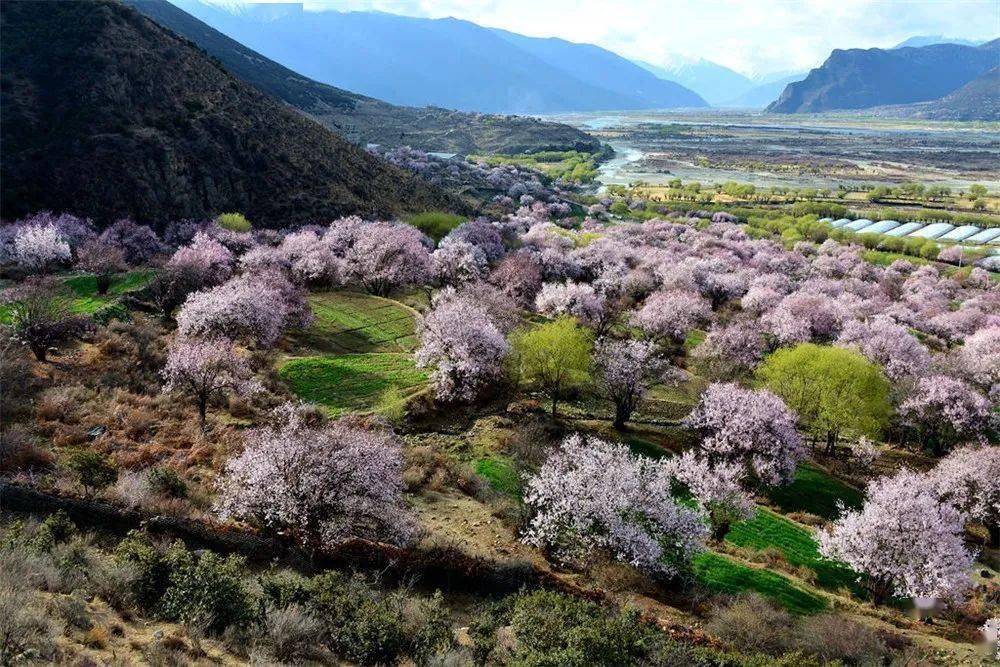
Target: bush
(206,590)
(551,628)
(234,222)
(752,624)
(831,638)
(166,482)
(436,224)
(152,573)
(290,632)
(20,451)
(93,470)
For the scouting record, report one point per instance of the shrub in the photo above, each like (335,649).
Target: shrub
(166,482)
(234,222)
(206,590)
(93,470)
(752,624)
(19,450)
(152,573)
(832,638)
(290,632)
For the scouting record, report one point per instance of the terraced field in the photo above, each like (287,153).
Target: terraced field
(81,292)
(348,322)
(358,348)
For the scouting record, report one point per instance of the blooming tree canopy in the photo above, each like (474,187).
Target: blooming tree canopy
(464,347)
(206,368)
(625,369)
(718,488)
(904,541)
(888,344)
(207,260)
(672,314)
(103,260)
(969,479)
(754,429)
(597,495)
(945,411)
(385,256)
(38,248)
(325,483)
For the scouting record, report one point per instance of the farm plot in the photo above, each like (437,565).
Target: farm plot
(347,382)
(349,323)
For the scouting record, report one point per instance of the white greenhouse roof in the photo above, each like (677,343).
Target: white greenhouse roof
(960,233)
(934,230)
(985,236)
(839,223)
(880,227)
(905,228)
(826,219)
(858,224)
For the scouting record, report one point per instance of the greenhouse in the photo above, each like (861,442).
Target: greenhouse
(905,229)
(880,227)
(991,235)
(839,223)
(858,224)
(934,230)
(960,233)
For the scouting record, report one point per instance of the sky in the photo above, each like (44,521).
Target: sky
(749,36)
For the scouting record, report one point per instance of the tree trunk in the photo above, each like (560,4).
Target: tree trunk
(202,410)
(40,352)
(555,402)
(103,283)
(831,443)
(622,414)
(994,529)
(720,531)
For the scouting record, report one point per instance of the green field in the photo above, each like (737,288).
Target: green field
(501,475)
(816,492)
(348,323)
(795,542)
(83,299)
(724,575)
(351,381)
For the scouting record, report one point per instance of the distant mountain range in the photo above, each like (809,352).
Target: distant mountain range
(106,114)
(364,119)
(977,100)
(716,83)
(864,78)
(443,62)
(927,40)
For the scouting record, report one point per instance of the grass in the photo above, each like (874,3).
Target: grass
(724,575)
(351,381)
(351,323)
(501,475)
(82,295)
(795,542)
(816,492)
(436,224)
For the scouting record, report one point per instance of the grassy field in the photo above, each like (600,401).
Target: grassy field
(82,296)
(796,544)
(816,492)
(501,475)
(349,323)
(724,575)
(351,381)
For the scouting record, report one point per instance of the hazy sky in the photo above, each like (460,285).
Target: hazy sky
(750,36)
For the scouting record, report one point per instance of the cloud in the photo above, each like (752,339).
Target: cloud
(751,36)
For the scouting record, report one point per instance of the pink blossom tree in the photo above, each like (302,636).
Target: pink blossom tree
(205,369)
(324,483)
(672,315)
(718,488)
(980,358)
(138,242)
(886,343)
(754,429)
(904,541)
(103,260)
(38,248)
(457,262)
(39,315)
(309,258)
(969,479)
(945,411)
(578,300)
(385,256)
(482,234)
(520,276)
(731,351)
(256,308)
(464,347)
(625,371)
(205,259)
(597,495)
(803,316)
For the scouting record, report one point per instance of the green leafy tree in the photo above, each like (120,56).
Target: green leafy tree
(834,390)
(93,470)
(554,356)
(234,222)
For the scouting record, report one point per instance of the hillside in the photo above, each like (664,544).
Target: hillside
(116,116)
(364,119)
(441,62)
(862,78)
(977,100)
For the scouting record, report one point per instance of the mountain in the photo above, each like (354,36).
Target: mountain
(762,94)
(714,82)
(927,40)
(364,119)
(977,100)
(862,78)
(107,114)
(441,62)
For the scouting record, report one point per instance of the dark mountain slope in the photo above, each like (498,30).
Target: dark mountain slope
(419,62)
(107,114)
(977,100)
(862,78)
(364,119)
